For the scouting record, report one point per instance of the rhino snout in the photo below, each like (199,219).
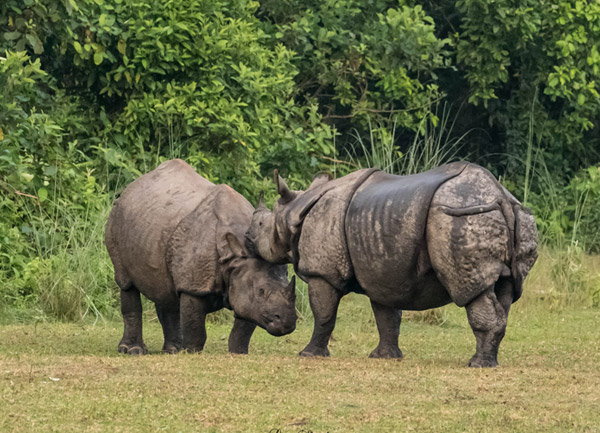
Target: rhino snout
(277,325)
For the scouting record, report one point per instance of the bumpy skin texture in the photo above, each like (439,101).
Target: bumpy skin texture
(174,237)
(452,234)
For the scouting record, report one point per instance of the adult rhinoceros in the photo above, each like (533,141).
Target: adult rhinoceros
(452,234)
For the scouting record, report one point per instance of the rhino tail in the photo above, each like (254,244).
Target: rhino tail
(525,247)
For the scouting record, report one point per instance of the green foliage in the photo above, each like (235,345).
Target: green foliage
(112,89)
(547,52)
(361,61)
(93,93)
(433,146)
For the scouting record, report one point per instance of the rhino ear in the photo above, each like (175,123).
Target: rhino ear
(320,179)
(284,192)
(230,247)
(261,201)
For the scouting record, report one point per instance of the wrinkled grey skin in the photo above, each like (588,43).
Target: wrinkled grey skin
(452,234)
(173,236)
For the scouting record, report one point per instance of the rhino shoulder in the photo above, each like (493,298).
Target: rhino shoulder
(192,252)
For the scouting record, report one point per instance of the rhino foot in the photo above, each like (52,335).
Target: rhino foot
(477,362)
(311,352)
(389,352)
(134,349)
(171,348)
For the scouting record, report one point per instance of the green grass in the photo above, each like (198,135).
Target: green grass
(69,377)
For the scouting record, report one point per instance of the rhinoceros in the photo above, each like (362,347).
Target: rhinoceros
(452,234)
(175,237)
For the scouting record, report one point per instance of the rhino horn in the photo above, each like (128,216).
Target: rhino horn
(292,289)
(284,192)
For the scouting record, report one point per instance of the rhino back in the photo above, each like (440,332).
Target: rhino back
(385,230)
(142,221)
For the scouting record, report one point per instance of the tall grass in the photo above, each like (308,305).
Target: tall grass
(559,211)
(71,278)
(433,145)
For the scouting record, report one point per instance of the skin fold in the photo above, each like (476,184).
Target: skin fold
(173,236)
(452,234)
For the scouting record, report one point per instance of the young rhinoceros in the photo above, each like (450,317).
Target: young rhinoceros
(173,236)
(452,234)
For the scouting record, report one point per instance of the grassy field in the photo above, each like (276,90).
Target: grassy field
(69,377)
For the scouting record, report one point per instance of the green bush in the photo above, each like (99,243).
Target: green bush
(530,56)
(361,61)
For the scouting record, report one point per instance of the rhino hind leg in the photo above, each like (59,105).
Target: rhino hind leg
(132,342)
(324,301)
(487,316)
(388,324)
(169,320)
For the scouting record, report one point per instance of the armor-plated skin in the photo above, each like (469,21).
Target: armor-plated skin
(452,234)
(174,237)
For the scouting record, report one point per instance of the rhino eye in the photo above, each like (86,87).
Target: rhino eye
(261,291)
(260,223)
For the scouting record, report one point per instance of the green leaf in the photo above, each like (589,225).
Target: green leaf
(581,99)
(121,46)
(77,47)
(36,43)
(51,170)
(11,36)
(98,58)
(42,194)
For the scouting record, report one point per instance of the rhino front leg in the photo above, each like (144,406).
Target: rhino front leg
(169,320)
(240,335)
(131,308)
(193,311)
(324,300)
(388,324)
(487,318)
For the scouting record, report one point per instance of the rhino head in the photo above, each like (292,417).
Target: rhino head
(271,234)
(258,290)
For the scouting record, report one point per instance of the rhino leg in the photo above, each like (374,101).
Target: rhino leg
(388,324)
(324,300)
(169,320)
(487,317)
(131,308)
(240,335)
(193,311)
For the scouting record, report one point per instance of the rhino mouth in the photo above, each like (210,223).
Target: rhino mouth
(250,245)
(277,327)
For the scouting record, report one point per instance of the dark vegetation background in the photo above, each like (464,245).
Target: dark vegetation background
(94,93)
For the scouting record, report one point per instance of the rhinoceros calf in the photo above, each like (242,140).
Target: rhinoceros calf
(174,237)
(452,234)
